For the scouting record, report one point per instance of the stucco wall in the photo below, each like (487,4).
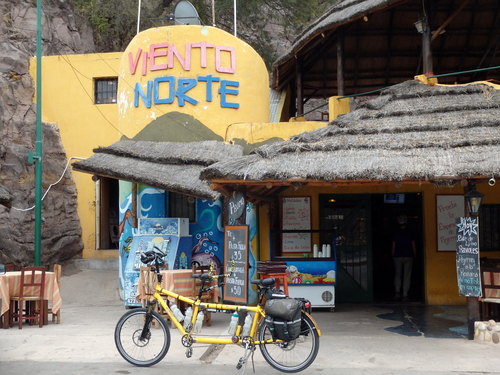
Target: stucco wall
(68,102)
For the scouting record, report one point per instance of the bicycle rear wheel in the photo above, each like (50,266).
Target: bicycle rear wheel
(292,356)
(142,338)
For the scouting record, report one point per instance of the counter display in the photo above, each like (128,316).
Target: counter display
(313,279)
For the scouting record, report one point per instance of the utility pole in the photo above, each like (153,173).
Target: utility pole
(234,14)
(37,157)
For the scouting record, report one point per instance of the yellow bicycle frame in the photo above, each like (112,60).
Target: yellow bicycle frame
(197,305)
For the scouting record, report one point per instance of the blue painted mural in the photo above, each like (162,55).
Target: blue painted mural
(208,234)
(251,221)
(151,203)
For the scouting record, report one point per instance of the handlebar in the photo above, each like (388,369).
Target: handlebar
(155,255)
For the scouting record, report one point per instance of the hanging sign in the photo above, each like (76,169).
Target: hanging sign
(468,271)
(236,206)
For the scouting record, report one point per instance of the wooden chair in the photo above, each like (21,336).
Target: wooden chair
(490,278)
(12,267)
(31,290)
(276,270)
(205,297)
(56,316)
(147,282)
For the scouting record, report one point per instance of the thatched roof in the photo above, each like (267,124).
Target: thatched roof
(172,166)
(5,197)
(411,131)
(381,45)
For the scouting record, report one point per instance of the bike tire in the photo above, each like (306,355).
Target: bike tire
(145,352)
(293,356)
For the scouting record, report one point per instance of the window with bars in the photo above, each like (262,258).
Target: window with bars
(180,205)
(489,227)
(105,90)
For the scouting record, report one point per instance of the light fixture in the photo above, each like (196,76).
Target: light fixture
(473,199)
(421,25)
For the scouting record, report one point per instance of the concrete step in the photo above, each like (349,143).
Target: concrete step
(95,264)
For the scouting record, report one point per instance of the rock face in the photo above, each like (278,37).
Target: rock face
(61,231)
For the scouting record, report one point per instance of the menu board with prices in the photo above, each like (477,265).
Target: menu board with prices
(236,253)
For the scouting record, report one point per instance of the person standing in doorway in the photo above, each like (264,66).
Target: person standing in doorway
(404,251)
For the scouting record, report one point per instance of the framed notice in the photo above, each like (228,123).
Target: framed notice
(296,216)
(236,248)
(448,209)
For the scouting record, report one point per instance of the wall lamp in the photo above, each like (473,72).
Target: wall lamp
(473,199)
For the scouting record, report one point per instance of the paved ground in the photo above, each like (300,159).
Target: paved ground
(371,340)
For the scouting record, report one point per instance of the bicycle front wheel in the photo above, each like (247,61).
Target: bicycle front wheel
(142,338)
(292,356)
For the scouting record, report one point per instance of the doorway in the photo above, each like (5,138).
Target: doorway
(107,236)
(360,228)
(346,224)
(385,210)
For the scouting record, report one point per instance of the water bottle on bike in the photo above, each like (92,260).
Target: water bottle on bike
(199,322)
(177,313)
(187,319)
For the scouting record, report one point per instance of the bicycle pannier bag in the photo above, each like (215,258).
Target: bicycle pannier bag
(274,293)
(286,318)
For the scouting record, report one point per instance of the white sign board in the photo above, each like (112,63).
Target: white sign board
(296,215)
(448,209)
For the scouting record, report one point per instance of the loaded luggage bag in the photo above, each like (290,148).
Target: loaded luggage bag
(284,318)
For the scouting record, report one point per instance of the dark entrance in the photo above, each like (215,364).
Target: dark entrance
(385,210)
(362,226)
(346,223)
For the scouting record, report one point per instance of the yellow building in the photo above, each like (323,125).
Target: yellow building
(211,79)
(91,99)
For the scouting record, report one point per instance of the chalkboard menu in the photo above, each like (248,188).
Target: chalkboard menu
(236,248)
(468,272)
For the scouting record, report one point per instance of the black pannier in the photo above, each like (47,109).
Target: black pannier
(284,318)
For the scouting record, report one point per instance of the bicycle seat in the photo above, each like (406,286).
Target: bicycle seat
(264,283)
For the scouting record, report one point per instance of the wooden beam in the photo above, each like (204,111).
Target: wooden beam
(134,205)
(449,19)
(426,49)
(224,189)
(340,64)
(298,82)
(316,183)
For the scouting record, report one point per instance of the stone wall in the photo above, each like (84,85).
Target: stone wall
(61,232)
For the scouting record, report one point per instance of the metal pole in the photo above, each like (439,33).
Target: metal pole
(213,13)
(138,16)
(38,143)
(234,10)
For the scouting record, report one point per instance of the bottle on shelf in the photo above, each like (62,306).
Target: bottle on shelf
(247,325)
(199,322)
(233,323)
(187,319)
(177,313)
